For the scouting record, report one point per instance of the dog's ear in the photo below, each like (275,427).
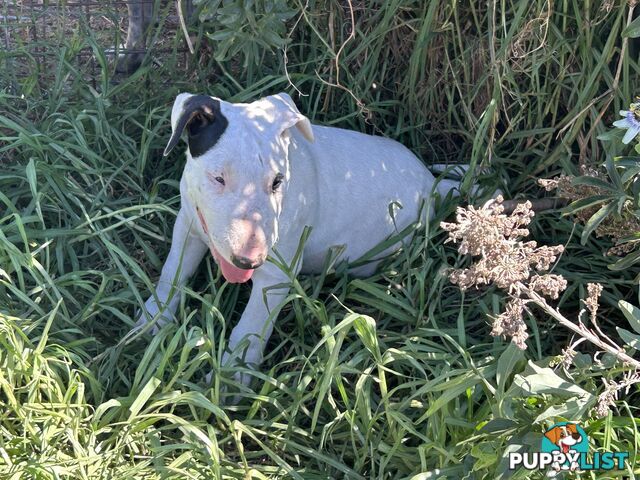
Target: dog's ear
(200,115)
(553,435)
(288,115)
(571,428)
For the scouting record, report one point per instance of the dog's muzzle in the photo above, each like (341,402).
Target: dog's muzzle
(241,267)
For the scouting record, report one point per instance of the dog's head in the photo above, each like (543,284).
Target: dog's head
(564,436)
(237,172)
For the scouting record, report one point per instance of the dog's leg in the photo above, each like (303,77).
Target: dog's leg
(249,337)
(185,254)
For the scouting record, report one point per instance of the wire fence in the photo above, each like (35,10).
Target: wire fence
(90,35)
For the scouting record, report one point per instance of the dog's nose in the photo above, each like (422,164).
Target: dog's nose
(246,263)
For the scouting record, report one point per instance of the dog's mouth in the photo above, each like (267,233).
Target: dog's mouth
(230,272)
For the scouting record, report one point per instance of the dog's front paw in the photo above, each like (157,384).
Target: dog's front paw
(159,315)
(250,358)
(231,369)
(230,363)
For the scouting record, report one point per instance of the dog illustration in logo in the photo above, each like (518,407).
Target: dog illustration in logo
(564,437)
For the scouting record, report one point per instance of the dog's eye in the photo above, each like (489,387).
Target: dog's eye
(220,180)
(277,181)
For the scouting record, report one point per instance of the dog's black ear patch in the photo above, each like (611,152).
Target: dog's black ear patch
(205,124)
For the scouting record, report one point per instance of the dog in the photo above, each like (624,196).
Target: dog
(256,175)
(564,437)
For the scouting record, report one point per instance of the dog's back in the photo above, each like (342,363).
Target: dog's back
(366,189)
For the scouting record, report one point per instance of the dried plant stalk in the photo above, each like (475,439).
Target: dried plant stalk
(518,267)
(583,331)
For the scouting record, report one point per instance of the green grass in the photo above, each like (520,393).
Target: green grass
(393,376)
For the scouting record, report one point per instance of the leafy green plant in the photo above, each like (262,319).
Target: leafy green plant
(243,30)
(392,376)
(607,200)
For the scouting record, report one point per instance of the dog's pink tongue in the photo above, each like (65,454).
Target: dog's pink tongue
(230,272)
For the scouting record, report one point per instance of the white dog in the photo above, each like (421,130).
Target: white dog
(256,175)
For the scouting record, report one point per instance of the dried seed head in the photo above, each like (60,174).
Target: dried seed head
(608,397)
(510,323)
(504,259)
(568,354)
(549,285)
(494,237)
(606,400)
(593,295)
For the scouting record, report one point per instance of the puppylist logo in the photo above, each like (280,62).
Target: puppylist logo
(564,448)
